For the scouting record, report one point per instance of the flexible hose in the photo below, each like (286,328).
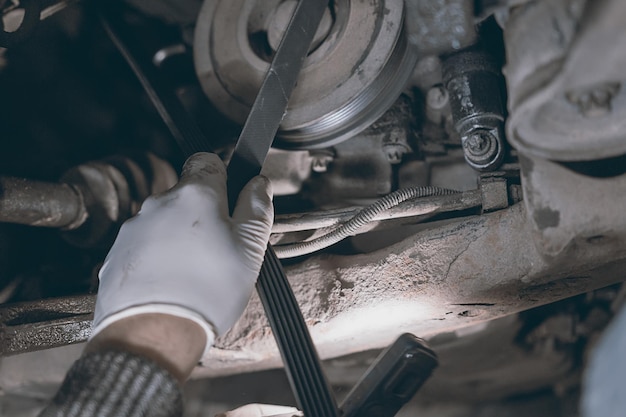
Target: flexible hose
(359,220)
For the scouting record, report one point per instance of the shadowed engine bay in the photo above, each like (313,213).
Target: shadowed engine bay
(447,168)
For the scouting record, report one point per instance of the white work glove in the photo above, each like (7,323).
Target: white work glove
(184,255)
(263,410)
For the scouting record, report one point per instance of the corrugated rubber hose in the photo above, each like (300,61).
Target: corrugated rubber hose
(361,219)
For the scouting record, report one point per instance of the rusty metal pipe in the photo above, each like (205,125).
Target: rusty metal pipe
(38,203)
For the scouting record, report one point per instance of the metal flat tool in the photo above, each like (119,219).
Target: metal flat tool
(302,363)
(270,105)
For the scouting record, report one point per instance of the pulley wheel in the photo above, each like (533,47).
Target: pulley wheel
(357,67)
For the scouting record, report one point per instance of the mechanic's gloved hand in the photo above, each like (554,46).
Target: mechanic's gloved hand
(184,255)
(263,410)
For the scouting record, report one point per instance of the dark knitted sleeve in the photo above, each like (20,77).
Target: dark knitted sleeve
(116,384)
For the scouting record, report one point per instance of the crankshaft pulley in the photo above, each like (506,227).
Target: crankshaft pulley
(359,63)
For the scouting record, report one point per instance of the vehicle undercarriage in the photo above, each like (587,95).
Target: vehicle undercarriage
(452,169)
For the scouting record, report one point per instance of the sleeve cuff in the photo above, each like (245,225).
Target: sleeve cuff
(116,384)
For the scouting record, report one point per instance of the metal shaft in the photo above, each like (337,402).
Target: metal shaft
(37,203)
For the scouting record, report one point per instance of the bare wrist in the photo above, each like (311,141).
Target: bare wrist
(175,343)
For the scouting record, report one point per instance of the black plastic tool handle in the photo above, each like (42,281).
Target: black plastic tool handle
(391,381)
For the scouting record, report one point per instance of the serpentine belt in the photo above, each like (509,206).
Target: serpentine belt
(301,361)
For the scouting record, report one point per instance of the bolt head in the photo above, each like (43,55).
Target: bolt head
(394,156)
(394,151)
(437,97)
(320,163)
(482,147)
(478,142)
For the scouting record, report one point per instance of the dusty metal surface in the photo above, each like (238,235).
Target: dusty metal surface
(565,70)
(30,326)
(359,169)
(573,214)
(440,26)
(464,272)
(535,351)
(287,170)
(362,167)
